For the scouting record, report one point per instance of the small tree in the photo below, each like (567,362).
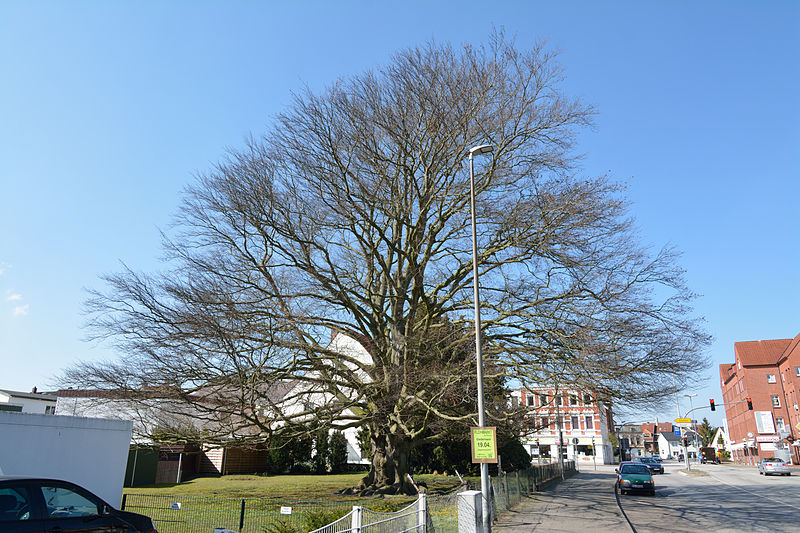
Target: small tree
(706,432)
(338,452)
(321,451)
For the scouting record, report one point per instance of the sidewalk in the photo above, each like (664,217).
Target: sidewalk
(583,502)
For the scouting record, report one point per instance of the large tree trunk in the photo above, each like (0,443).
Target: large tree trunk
(389,468)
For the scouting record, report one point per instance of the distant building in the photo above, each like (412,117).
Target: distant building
(650,433)
(670,445)
(631,441)
(574,421)
(767,372)
(43,403)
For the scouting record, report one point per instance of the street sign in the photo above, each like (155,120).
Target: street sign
(683,420)
(484,445)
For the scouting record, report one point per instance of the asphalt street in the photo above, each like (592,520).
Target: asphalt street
(728,499)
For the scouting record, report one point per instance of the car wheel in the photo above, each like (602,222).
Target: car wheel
(652,493)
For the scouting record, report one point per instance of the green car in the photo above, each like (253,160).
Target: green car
(635,477)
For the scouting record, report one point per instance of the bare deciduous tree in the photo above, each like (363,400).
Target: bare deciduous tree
(352,215)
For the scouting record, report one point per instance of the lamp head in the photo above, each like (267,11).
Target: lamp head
(482,149)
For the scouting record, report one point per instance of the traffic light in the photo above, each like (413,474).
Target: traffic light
(749,403)
(685,442)
(713,407)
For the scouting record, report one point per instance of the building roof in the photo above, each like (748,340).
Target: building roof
(46,396)
(727,371)
(760,353)
(793,347)
(671,437)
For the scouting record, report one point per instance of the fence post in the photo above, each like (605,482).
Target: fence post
(355,524)
(241,516)
(422,513)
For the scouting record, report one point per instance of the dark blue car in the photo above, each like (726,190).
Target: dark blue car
(39,505)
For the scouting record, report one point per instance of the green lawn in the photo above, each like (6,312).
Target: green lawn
(209,502)
(292,487)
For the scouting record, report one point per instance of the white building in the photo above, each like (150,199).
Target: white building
(43,403)
(571,420)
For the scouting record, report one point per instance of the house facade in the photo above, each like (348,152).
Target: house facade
(43,403)
(768,373)
(670,446)
(570,420)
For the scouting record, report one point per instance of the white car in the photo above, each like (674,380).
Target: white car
(773,465)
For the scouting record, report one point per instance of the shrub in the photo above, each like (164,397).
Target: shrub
(283,526)
(316,519)
(514,456)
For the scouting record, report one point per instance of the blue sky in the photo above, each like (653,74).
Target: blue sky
(108,109)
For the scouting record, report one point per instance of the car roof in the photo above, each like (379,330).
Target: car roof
(34,478)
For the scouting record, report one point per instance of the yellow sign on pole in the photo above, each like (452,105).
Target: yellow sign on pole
(683,420)
(484,444)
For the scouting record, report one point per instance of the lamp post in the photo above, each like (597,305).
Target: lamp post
(691,426)
(478,150)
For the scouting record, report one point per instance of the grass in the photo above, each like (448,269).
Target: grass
(311,497)
(291,487)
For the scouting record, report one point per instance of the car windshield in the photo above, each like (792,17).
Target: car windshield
(772,460)
(646,459)
(634,469)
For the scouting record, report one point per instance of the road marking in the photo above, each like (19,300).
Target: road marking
(754,493)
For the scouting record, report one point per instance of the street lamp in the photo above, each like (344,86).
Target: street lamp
(479,150)
(691,426)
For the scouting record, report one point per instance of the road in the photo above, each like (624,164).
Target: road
(729,499)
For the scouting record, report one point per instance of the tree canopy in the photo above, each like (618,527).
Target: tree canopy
(351,214)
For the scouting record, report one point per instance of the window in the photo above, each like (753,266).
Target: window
(529,399)
(543,399)
(14,504)
(559,400)
(771,378)
(50,410)
(573,399)
(576,424)
(63,502)
(780,424)
(587,399)
(545,423)
(797,371)
(776,402)
(8,407)
(589,422)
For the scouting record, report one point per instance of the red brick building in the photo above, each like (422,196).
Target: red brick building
(768,372)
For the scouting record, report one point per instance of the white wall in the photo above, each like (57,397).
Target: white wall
(29,405)
(91,452)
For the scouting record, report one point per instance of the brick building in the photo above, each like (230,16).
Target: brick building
(768,372)
(575,420)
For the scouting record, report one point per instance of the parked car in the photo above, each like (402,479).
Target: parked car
(635,476)
(654,466)
(657,458)
(30,504)
(773,465)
